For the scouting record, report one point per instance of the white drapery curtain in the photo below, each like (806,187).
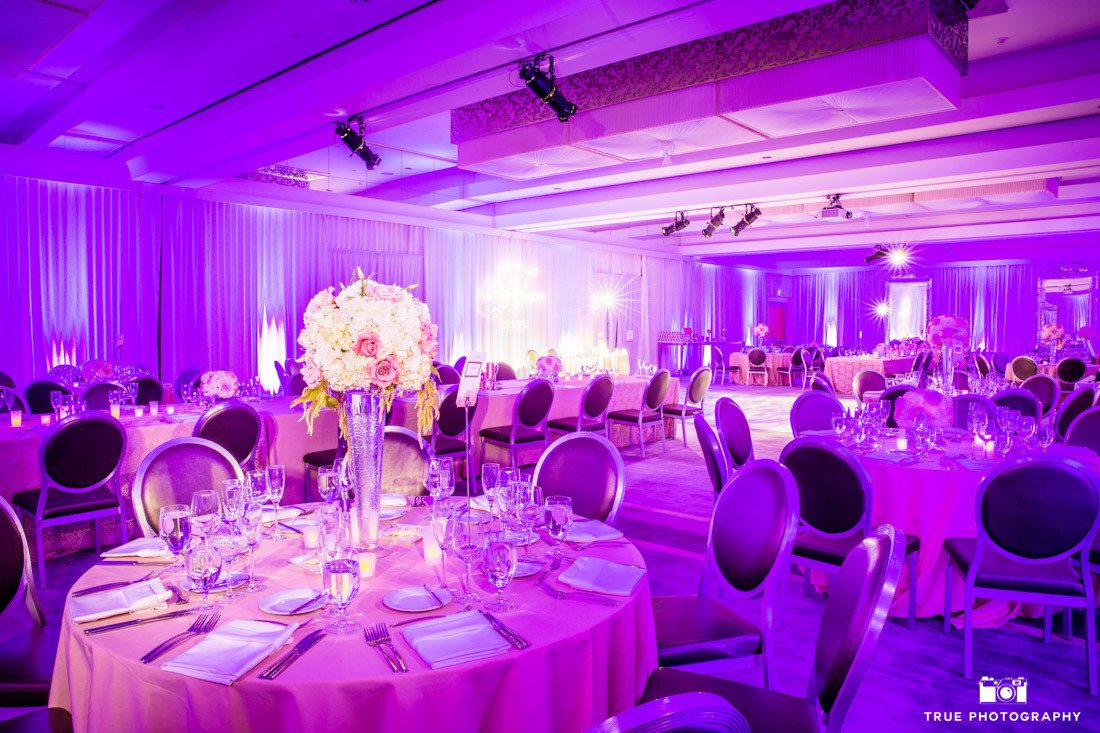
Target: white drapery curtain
(908,309)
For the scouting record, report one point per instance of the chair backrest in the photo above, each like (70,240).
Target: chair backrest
(1085,430)
(37,395)
(859,601)
(656,391)
(233,425)
(868,380)
(532,406)
(1045,389)
(752,529)
(982,364)
(291,367)
(1024,367)
(16,403)
(280,372)
(16,577)
(83,452)
(295,385)
(757,357)
(505,372)
(703,712)
(148,390)
(717,358)
(453,420)
(1037,510)
(712,452)
(448,374)
(532,358)
(821,383)
(459,363)
(1020,400)
(1079,400)
(796,358)
(404,462)
(1071,370)
(891,395)
(587,468)
(734,434)
(6,380)
(834,491)
(98,396)
(814,411)
(964,402)
(175,470)
(698,386)
(596,398)
(189,377)
(1000,362)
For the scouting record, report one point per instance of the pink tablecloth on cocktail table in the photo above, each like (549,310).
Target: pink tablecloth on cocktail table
(772,363)
(841,369)
(585,662)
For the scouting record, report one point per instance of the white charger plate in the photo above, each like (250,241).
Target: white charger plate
(285,601)
(415,599)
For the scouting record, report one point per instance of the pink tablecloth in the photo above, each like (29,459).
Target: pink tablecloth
(586,662)
(841,369)
(772,363)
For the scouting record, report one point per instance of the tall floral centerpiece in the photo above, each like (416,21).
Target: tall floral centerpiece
(219,385)
(365,345)
(760,331)
(1053,337)
(948,336)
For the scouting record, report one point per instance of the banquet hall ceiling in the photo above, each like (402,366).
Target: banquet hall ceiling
(202,93)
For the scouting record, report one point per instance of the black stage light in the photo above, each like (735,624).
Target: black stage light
(714,223)
(678,224)
(356,144)
(879,253)
(751,214)
(545,86)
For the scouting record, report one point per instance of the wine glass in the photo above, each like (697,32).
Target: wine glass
(175,530)
(8,395)
(231,544)
(276,485)
(1025,427)
(334,531)
(205,512)
(444,529)
(531,509)
(446,485)
(328,485)
(468,538)
(490,480)
(55,403)
(1045,436)
(559,518)
(838,425)
(204,565)
(341,575)
(233,500)
(500,567)
(252,525)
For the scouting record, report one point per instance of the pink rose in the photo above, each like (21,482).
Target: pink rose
(311,373)
(428,338)
(384,372)
(367,345)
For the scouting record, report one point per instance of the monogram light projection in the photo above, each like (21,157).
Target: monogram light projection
(504,297)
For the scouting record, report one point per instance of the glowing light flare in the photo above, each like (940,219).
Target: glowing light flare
(881,309)
(898,257)
(271,349)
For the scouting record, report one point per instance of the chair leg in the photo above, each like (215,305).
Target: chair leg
(1067,623)
(807,585)
(1090,647)
(947,600)
(913,591)
(1048,622)
(968,632)
(781,597)
(40,552)
(641,436)
(684,429)
(308,480)
(664,434)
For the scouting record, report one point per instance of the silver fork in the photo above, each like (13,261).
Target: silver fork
(385,638)
(373,638)
(578,596)
(204,624)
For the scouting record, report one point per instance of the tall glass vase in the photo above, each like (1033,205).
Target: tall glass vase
(366,430)
(948,355)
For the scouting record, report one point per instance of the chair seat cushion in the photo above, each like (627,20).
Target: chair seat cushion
(50,720)
(569,425)
(503,434)
(63,503)
(26,666)
(445,446)
(833,550)
(997,571)
(320,458)
(632,416)
(698,629)
(678,409)
(764,710)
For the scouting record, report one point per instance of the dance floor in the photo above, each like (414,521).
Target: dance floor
(665,514)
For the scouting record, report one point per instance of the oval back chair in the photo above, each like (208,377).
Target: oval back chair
(694,397)
(595,402)
(1085,430)
(147,390)
(587,468)
(1023,367)
(814,411)
(404,462)
(175,470)
(98,396)
(448,374)
(234,426)
(530,412)
(36,395)
(1020,400)
(712,452)
(1070,371)
(1045,389)
(1078,401)
(650,412)
(891,395)
(734,434)
(962,406)
(505,372)
(867,380)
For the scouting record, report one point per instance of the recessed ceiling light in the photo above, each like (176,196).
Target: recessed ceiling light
(765,157)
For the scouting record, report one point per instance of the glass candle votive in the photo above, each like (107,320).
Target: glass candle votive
(16,418)
(46,419)
(903,441)
(139,411)
(311,536)
(116,411)
(368,562)
(170,409)
(154,407)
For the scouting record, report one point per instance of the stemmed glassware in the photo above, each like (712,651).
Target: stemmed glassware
(443,525)
(276,485)
(441,482)
(531,510)
(175,530)
(7,397)
(204,565)
(328,485)
(499,561)
(205,512)
(233,500)
(559,518)
(468,539)
(490,480)
(55,403)
(252,524)
(1045,436)
(1026,427)
(231,544)
(341,577)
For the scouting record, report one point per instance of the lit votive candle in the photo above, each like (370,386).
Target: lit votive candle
(170,409)
(139,411)
(16,418)
(46,419)
(903,442)
(433,558)
(989,448)
(311,536)
(116,411)
(368,561)
(154,407)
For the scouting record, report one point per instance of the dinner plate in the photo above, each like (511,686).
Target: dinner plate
(301,522)
(390,513)
(239,579)
(284,602)
(527,569)
(415,599)
(286,513)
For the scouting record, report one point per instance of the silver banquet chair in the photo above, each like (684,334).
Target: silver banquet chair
(1085,430)
(175,470)
(595,401)
(528,427)
(79,463)
(698,712)
(694,398)
(734,434)
(712,453)
(1077,402)
(36,395)
(98,396)
(234,426)
(814,410)
(650,411)
(146,390)
(404,462)
(587,468)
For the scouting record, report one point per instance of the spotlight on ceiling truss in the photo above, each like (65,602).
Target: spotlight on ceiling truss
(351,132)
(545,86)
(834,211)
(751,214)
(678,224)
(714,223)
(881,251)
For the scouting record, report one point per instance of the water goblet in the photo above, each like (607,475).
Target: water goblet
(1026,427)
(1045,436)
(328,485)
(499,563)
(531,510)
(467,542)
(231,544)
(55,402)
(232,500)
(559,518)
(8,395)
(443,526)
(838,425)
(341,578)
(490,480)
(276,485)
(205,512)
(175,530)
(252,524)
(204,565)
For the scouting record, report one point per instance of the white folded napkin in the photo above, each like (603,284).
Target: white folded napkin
(602,576)
(227,653)
(285,513)
(141,547)
(460,637)
(890,456)
(480,503)
(977,464)
(394,500)
(127,599)
(310,562)
(591,530)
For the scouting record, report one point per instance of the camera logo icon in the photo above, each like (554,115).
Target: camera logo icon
(1004,691)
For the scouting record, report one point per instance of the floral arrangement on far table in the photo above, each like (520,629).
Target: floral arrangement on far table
(937,409)
(368,336)
(1052,333)
(548,367)
(951,331)
(219,385)
(760,330)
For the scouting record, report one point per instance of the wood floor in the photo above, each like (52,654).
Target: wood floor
(666,511)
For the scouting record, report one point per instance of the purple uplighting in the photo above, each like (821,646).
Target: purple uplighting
(557,367)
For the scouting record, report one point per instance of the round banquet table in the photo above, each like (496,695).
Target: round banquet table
(934,499)
(773,362)
(586,662)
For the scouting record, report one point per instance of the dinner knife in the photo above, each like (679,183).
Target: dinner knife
(310,602)
(289,658)
(138,621)
(511,636)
